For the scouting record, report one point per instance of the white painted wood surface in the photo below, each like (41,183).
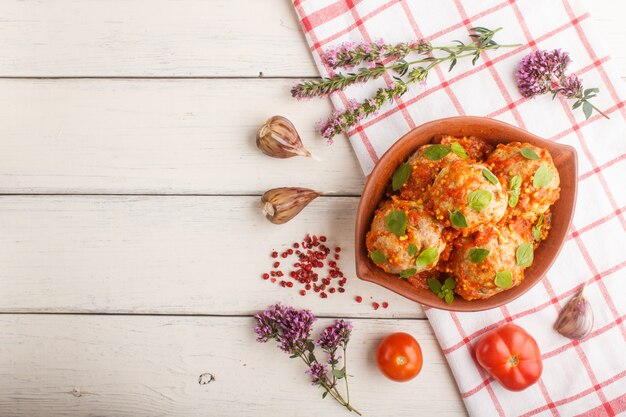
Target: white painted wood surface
(174,255)
(66,365)
(158,100)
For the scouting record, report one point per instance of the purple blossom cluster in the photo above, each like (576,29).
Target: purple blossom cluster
(334,124)
(541,72)
(336,335)
(290,327)
(317,372)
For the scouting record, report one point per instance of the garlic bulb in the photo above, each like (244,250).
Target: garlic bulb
(576,319)
(282,204)
(279,138)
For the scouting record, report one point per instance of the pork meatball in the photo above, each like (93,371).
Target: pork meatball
(538,180)
(423,173)
(463,196)
(394,253)
(476,280)
(476,148)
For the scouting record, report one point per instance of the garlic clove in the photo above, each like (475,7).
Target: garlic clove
(279,138)
(576,320)
(282,204)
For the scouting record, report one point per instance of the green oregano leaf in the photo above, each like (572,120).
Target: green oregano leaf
(490,177)
(529,153)
(449,297)
(401,176)
(587,109)
(514,189)
(396,222)
(504,279)
(412,249)
(408,273)
(458,149)
(542,176)
(479,199)
(537,228)
(339,373)
(378,257)
(436,152)
(457,219)
(449,283)
(426,257)
(434,285)
(477,255)
(524,255)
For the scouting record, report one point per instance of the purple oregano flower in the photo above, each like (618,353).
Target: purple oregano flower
(292,328)
(542,72)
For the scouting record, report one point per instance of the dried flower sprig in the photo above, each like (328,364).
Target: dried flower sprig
(372,54)
(543,72)
(292,328)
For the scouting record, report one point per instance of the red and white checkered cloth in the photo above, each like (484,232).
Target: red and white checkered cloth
(580,378)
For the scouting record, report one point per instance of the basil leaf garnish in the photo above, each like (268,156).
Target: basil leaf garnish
(477,255)
(524,255)
(514,189)
(436,152)
(378,257)
(490,177)
(479,199)
(542,176)
(457,219)
(426,257)
(537,229)
(396,222)
(412,249)
(408,273)
(401,176)
(529,153)
(458,149)
(434,285)
(449,283)
(504,279)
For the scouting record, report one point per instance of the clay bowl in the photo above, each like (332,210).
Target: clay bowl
(494,132)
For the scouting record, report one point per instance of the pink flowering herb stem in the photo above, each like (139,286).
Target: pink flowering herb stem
(406,73)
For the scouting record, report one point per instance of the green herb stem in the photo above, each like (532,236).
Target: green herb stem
(331,389)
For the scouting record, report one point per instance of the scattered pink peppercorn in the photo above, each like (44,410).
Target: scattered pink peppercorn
(385,304)
(375,305)
(358,298)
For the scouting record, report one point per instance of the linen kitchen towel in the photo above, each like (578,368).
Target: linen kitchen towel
(579,378)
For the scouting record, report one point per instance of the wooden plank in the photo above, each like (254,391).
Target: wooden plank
(152,38)
(182,38)
(68,365)
(160,137)
(183,255)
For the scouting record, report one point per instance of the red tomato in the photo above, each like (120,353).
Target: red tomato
(399,357)
(511,356)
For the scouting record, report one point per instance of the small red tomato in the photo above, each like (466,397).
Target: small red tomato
(399,357)
(511,356)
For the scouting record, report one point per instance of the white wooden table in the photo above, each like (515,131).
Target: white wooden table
(131,245)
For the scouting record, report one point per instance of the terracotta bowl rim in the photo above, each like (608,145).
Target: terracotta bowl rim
(388,157)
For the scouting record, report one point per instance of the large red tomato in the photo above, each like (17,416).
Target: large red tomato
(399,357)
(511,356)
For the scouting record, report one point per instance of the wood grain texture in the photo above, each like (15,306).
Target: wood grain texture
(174,38)
(160,137)
(68,365)
(148,38)
(183,255)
